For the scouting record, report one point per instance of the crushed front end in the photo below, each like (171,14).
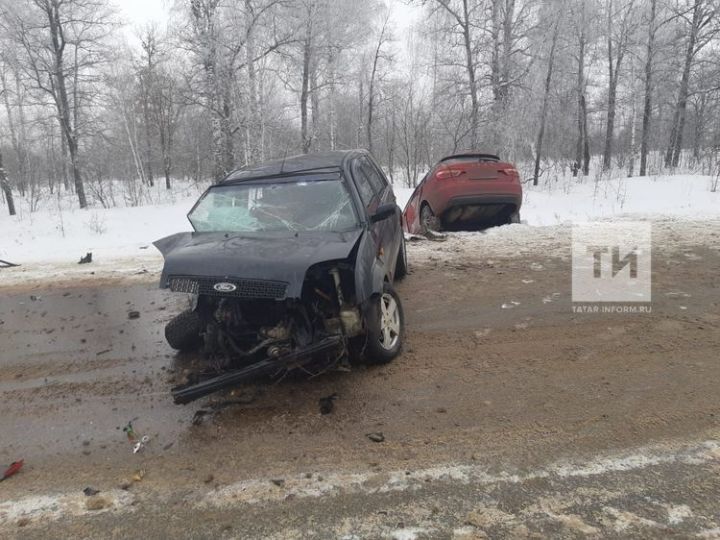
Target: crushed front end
(248,328)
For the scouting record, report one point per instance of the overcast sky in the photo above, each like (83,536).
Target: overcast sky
(140,12)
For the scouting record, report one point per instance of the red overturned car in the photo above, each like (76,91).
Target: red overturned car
(465,191)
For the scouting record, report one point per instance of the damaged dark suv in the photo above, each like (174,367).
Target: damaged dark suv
(290,267)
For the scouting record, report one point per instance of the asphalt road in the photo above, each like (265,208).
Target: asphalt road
(529,420)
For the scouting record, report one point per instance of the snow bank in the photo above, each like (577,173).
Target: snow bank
(107,233)
(56,233)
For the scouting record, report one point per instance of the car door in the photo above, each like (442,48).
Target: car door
(371,194)
(389,229)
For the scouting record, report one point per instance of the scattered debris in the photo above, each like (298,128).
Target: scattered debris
(511,305)
(14,467)
(199,416)
(436,236)
(86,259)
(279,482)
(130,432)
(89,492)
(528,281)
(103,352)
(141,444)
(414,238)
(376,436)
(136,440)
(22,522)
(35,298)
(138,475)
(133,315)
(327,403)
(209,478)
(97,502)
(6,264)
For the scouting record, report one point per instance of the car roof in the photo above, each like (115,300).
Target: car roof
(321,162)
(472,155)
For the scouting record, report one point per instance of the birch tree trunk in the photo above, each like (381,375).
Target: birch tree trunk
(672,156)
(5,186)
(546,96)
(648,90)
(582,147)
(470,66)
(52,9)
(371,88)
(307,51)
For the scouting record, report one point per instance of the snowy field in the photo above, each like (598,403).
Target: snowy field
(54,237)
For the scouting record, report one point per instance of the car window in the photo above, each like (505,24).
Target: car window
(367,192)
(377,181)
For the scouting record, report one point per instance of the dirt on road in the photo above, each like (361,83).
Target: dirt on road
(499,377)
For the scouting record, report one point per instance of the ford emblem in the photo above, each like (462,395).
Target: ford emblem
(225,287)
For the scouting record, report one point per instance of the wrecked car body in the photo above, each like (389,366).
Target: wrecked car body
(468,191)
(290,268)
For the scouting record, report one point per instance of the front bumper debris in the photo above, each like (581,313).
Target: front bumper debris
(270,366)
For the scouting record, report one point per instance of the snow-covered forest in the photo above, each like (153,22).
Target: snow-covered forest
(580,86)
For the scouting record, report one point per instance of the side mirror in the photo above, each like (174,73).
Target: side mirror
(383,212)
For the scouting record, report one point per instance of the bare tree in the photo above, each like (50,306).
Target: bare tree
(147,74)
(546,97)
(582,146)
(5,186)
(462,14)
(620,25)
(700,31)
(648,86)
(372,88)
(62,44)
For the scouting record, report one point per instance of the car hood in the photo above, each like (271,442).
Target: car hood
(285,257)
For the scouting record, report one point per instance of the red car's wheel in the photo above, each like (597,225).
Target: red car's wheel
(428,220)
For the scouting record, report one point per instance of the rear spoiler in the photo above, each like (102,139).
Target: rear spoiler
(471,155)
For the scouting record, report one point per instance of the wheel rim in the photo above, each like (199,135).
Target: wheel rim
(389,322)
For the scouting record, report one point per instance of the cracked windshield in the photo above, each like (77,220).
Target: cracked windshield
(307,205)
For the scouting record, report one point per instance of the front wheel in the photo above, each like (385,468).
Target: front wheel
(183,332)
(385,327)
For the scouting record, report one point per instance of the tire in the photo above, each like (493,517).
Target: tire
(428,220)
(514,217)
(401,267)
(183,332)
(383,344)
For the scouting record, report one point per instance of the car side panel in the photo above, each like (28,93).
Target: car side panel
(369,270)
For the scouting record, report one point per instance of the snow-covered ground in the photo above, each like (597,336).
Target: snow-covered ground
(52,239)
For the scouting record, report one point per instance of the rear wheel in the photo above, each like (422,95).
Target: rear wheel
(428,220)
(386,327)
(183,332)
(514,217)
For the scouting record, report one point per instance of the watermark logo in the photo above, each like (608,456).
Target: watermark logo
(612,263)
